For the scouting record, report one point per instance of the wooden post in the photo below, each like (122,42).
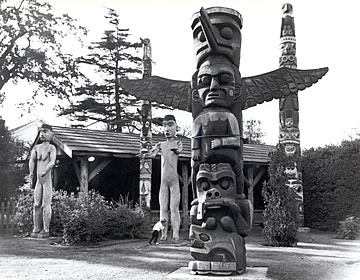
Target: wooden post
(84,175)
(185,195)
(251,184)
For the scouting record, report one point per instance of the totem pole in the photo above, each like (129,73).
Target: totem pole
(289,136)
(145,137)
(220,214)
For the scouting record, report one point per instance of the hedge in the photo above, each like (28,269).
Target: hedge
(331,181)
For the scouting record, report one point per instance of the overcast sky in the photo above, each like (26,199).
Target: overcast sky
(327,35)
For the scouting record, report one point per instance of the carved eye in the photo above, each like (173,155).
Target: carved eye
(201,37)
(226,33)
(204,185)
(205,80)
(225,184)
(225,79)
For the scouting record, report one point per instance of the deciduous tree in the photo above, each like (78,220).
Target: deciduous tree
(31,47)
(253,132)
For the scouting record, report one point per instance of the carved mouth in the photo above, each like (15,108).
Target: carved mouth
(214,96)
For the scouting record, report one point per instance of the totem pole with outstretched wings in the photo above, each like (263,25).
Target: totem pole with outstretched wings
(220,215)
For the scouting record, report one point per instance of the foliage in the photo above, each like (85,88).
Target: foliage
(12,174)
(349,228)
(253,132)
(112,58)
(24,209)
(83,218)
(30,47)
(280,222)
(331,181)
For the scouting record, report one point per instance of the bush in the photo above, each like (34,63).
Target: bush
(349,228)
(280,214)
(331,181)
(23,218)
(84,217)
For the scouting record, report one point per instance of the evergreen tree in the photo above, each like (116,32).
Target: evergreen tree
(31,49)
(112,58)
(280,226)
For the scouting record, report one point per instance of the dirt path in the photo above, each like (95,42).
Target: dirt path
(318,256)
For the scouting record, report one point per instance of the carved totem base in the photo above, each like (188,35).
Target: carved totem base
(217,252)
(219,223)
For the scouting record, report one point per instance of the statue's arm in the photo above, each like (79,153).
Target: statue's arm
(51,164)
(32,162)
(179,147)
(155,150)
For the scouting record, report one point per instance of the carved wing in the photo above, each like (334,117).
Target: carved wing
(281,82)
(160,90)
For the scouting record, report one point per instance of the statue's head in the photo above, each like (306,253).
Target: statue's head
(170,126)
(46,133)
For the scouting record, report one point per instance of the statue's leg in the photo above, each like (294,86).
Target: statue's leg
(37,211)
(46,204)
(164,211)
(174,210)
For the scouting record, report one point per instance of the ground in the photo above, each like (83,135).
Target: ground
(318,256)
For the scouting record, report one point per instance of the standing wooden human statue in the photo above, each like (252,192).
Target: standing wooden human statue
(43,156)
(220,215)
(169,195)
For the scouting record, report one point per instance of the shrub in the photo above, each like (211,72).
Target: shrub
(24,208)
(331,181)
(349,228)
(125,222)
(84,217)
(280,216)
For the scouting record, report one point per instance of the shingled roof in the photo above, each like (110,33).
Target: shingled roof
(76,141)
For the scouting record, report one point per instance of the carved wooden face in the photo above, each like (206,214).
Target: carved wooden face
(215,184)
(169,128)
(216,83)
(290,172)
(288,48)
(45,134)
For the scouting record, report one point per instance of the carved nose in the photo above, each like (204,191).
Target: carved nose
(213,194)
(214,84)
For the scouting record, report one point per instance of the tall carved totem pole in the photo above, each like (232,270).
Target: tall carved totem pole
(289,137)
(145,136)
(221,215)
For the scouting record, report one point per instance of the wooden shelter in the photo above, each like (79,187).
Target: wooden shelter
(108,162)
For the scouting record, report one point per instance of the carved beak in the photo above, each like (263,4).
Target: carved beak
(208,31)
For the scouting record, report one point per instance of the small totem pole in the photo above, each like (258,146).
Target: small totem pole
(145,136)
(289,138)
